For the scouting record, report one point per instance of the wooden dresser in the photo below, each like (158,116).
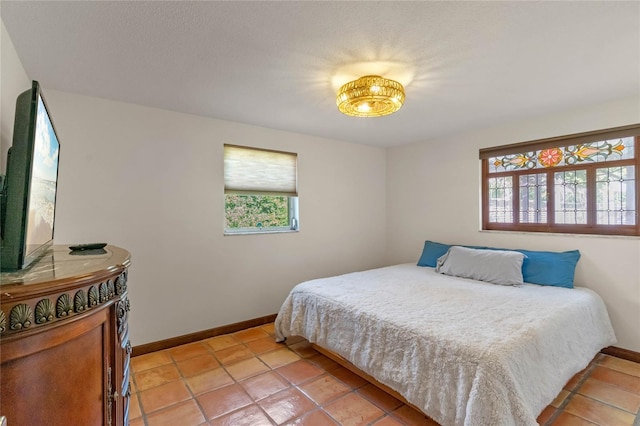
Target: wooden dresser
(64,340)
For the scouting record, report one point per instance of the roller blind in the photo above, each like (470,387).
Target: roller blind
(259,171)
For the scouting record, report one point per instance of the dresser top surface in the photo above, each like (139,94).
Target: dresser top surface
(59,264)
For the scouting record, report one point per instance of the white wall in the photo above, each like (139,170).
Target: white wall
(14,81)
(151,181)
(433,192)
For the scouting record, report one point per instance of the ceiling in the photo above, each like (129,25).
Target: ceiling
(465,65)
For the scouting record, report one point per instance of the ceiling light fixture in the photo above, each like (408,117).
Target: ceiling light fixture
(370,96)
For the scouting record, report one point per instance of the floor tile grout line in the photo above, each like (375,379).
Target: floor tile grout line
(588,372)
(134,374)
(183,378)
(613,367)
(587,375)
(317,405)
(195,400)
(320,407)
(593,398)
(353,390)
(235,381)
(220,364)
(291,386)
(142,413)
(212,390)
(605,404)
(270,369)
(560,409)
(173,361)
(599,364)
(326,373)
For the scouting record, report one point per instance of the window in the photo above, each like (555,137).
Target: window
(584,184)
(260,190)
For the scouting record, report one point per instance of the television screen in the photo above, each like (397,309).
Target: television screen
(44,174)
(29,193)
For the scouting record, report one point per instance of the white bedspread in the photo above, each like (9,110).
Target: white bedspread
(463,351)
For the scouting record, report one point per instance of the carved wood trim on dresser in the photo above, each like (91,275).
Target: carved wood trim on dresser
(64,339)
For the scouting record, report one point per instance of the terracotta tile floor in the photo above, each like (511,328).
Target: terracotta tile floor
(246,379)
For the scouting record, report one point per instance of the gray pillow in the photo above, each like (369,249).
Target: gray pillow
(494,266)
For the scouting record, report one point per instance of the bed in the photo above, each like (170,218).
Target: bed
(463,351)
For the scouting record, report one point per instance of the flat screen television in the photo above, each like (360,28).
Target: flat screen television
(30,185)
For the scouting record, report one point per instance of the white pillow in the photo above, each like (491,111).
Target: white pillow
(494,266)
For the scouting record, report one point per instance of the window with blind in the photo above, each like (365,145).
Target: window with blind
(260,190)
(583,184)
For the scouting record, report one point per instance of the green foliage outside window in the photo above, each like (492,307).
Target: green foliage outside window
(256,211)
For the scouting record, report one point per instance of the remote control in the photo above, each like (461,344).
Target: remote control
(90,246)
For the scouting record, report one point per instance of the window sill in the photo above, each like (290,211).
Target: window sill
(559,234)
(253,232)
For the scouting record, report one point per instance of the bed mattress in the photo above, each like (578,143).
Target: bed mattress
(465,352)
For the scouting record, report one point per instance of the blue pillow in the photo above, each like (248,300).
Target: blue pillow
(539,267)
(431,252)
(550,268)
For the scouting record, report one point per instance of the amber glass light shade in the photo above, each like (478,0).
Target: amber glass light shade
(370,96)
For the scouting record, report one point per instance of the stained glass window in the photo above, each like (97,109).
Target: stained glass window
(584,183)
(595,152)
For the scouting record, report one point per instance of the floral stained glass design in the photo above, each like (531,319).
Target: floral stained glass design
(550,157)
(595,152)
